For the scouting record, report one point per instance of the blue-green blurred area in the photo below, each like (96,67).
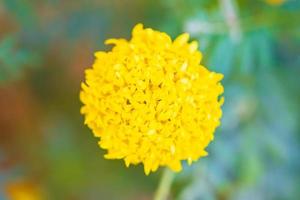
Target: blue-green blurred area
(45,148)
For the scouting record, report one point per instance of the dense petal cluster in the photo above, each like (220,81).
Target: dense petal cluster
(150,101)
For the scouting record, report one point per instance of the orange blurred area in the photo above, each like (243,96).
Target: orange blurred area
(24,190)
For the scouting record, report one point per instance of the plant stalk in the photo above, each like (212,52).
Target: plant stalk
(164,186)
(230,12)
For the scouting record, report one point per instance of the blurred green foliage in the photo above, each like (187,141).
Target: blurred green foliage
(13,59)
(45,46)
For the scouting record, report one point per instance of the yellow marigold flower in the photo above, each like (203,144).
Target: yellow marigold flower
(275,2)
(24,190)
(150,101)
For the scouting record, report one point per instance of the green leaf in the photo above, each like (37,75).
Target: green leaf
(247,58)
(222,57)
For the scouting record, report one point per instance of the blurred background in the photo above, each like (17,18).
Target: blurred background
(47,153)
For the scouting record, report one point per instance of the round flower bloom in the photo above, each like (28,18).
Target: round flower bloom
(275,2)
(150,101)
(24,190)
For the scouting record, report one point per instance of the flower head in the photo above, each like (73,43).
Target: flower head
(24,190)
(150,101)
(275,2)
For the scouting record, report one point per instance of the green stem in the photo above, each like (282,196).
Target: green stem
(230,12)
(165,183)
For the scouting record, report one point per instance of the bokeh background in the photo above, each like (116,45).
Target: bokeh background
(47,153)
